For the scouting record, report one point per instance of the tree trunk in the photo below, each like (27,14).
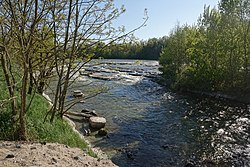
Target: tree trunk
(31,85)
(60,94)
(22,130)
(246,60)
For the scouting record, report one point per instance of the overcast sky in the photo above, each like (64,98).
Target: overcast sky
(163,15)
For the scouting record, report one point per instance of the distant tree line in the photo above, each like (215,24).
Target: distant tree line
(213,55)
(145,50)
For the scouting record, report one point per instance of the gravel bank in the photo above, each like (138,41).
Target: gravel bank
(17,154)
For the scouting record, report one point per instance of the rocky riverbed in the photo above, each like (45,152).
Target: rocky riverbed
(15,154)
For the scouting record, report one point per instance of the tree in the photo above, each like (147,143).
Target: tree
(82,31)
(236,18)
(214,55)
(173,56)
(20,37)
(40,36)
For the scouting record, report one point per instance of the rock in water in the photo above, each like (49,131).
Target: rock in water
(97,122)
(77,93)
(102,132)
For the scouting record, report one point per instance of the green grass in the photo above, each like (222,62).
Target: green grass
(7,131)
(38,131)
(59,131)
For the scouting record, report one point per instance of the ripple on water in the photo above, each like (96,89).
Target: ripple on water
(151,126)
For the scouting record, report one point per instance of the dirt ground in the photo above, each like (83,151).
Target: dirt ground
(16,154)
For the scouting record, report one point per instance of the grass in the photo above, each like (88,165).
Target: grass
(38,131)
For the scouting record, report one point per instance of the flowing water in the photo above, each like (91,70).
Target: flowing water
(148,125)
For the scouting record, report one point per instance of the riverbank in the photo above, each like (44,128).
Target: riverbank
(37,129)
(239,97)
(31,153)
(98,153)
(45,155)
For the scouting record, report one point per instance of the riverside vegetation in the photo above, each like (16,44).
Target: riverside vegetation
(44,39)
(212,55)
(59,131)
(40,40)
(209,56)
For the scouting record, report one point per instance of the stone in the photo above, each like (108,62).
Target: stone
(8,144)
(77,158)
(90,112)
(77,93)
(54,161)
(102,132)
(97,122)
(10,156)
(18,146)
(87,132)
(33,148)
(43,143)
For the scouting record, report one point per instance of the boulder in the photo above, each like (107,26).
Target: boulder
(77,93)
(97,122)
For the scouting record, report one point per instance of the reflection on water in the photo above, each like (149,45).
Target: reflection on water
(151,126)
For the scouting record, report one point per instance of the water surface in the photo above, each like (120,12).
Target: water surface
(151,126)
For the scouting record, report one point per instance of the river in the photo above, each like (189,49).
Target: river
(149,125)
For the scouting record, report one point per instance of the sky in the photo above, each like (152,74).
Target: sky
(163,15)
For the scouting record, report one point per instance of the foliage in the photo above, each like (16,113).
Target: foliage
(7,129)
(143,50)
(38,130)
(214,54)
(44,37)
